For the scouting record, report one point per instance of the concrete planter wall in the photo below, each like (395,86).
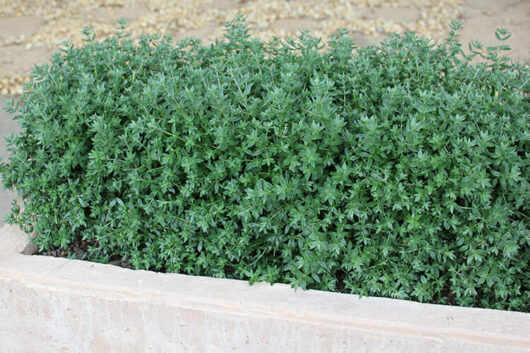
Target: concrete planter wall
(60,305)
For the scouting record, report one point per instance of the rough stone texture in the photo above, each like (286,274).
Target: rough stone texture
(61,305)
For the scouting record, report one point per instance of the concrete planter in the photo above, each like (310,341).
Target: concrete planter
(60,305)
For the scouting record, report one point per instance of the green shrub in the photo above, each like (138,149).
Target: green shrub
(397,171)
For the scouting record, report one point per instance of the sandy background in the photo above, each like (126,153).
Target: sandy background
(31,30)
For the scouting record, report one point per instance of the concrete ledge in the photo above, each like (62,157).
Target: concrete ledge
(60,305)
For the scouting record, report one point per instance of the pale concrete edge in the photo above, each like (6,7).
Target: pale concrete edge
(482,326)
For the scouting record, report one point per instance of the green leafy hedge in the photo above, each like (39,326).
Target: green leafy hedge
(397,171)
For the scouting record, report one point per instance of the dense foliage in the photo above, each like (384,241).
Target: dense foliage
(397,171)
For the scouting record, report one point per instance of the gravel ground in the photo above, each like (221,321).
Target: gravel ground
(31,30)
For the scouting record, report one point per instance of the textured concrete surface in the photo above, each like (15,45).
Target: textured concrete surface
(7,127)
(60,305)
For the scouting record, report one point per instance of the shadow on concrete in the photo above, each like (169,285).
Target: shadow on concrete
(8,126)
